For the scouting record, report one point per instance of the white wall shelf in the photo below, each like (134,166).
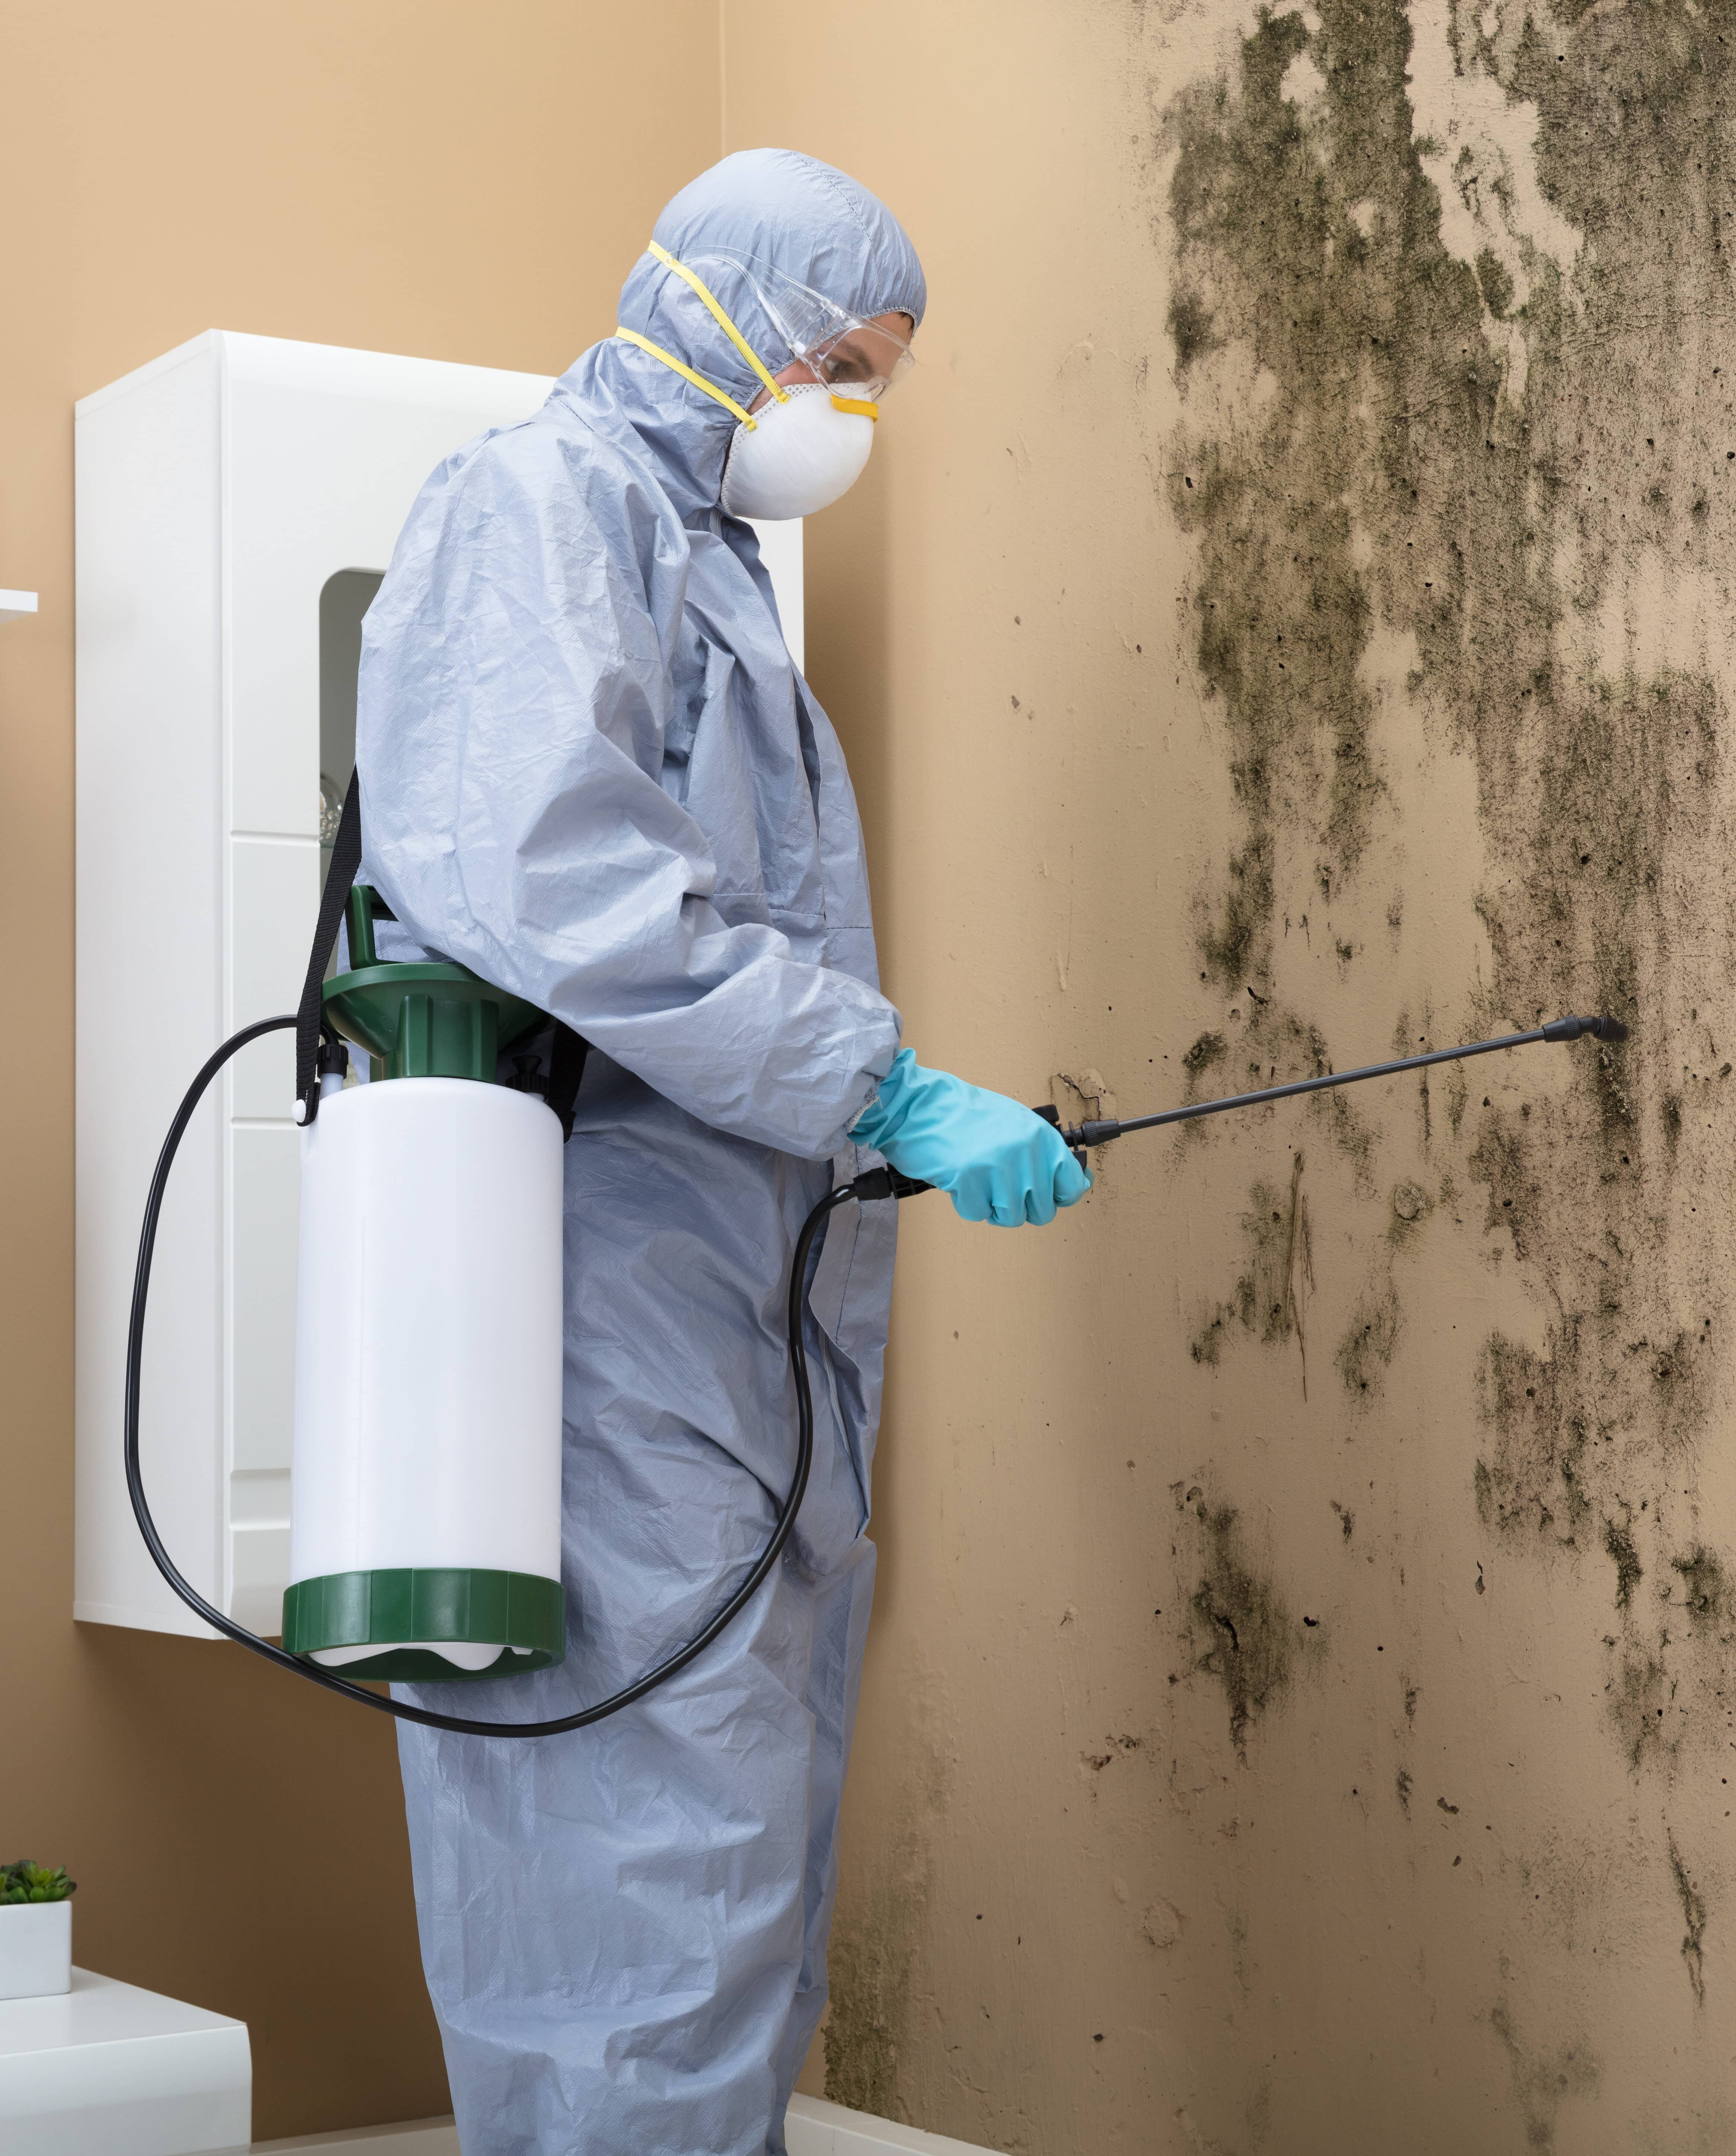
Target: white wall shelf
(16,606)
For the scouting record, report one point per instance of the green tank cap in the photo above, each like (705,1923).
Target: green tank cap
(426,1019)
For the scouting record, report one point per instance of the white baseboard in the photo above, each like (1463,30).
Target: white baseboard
(815,2129)
(417,2136)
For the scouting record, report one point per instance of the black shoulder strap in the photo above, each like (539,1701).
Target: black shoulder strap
(567,1054)
(346,863)
(566,1068)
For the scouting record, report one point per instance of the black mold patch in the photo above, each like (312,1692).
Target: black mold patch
(1671,1371)
(1693,1911)
(1542,2081)
(1536,1483)
(1283,616)
(1269,1300)
(1704,1589)
(1641,1698)
(1368,1342)
(1506,469)
(1457,1088)
(1353,1136)
(1232,945)
(1209,1049)
(1502,1160)
(1619,1547)
(1495,283)
(875,1942)
(1189,328)
(1247,1639)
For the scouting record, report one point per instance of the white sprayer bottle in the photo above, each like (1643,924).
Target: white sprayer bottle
(425,1490)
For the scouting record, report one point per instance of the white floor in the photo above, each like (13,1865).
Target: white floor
(815,2129)
(108,2070)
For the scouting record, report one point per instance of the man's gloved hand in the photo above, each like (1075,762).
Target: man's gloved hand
(994,1158)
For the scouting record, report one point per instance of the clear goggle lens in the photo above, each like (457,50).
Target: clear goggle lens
(863,361)
(856,357)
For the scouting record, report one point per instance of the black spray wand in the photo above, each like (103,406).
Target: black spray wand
(1092,1132)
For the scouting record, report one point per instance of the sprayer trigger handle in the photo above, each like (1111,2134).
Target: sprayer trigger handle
(885,1182)
(1074,1138)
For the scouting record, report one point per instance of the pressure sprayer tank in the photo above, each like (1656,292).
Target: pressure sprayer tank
(426,1492)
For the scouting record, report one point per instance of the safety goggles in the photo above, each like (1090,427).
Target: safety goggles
(842,351)
(857,360)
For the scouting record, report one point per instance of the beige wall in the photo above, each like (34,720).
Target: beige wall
(433,178)
(1289,618)
(1286,617)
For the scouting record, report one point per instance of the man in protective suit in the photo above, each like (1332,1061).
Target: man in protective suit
(591,773)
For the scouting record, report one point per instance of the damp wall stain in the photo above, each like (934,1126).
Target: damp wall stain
(874,1955)
(1269,1299)
(1451,332)
(1369,1342)
(869,1966)
(1461,432)
(1693,1913)
(1434,475)
(1619,1548)
(1239,1628)
(1544,2080)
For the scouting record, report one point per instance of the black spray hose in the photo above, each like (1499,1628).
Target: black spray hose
(874,1183)
(463,1724)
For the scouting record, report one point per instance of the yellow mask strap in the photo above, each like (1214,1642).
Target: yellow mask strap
(855,405)
(686,372)
(723,322)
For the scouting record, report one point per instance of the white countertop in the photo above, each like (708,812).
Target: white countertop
(99,2010)
(108,2066)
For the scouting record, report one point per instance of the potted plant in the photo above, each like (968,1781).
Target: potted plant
(35,1930)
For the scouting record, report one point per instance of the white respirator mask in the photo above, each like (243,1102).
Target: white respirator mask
(797,456)
(807,439)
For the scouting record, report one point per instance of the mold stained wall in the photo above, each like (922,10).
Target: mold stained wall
(1288,621)
(400,178)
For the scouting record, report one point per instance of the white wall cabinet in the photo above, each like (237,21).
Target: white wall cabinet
(220,490)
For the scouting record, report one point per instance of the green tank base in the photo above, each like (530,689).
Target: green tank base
(407,1614)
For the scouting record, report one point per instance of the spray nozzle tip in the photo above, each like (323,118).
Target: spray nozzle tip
(1573,1028)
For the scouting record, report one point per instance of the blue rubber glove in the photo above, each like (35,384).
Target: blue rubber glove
(994,1158)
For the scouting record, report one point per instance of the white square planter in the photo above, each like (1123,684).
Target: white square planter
(35,1949)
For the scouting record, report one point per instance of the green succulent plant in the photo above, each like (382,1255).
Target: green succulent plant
(25,1882)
